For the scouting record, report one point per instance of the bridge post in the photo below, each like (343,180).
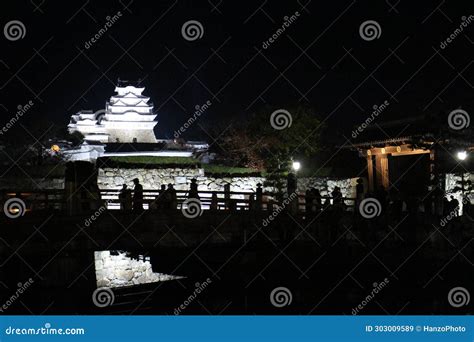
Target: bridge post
(259,197)
(227,196)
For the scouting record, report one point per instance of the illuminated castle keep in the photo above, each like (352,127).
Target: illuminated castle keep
(128,117)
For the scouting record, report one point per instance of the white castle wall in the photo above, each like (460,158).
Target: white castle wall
(128,135)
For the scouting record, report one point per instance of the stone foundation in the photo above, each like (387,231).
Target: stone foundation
(116,269)
(113,179)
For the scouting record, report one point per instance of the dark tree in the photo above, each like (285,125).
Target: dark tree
(257,141)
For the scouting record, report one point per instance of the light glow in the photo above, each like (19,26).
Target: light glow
(462,155)
(296,165)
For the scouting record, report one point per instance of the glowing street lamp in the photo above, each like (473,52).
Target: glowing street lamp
(296,165)
(462,155)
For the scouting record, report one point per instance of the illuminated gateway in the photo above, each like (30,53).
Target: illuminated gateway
(127,118)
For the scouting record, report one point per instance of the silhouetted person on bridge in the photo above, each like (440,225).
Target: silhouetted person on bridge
(317,200)
(446,206)
(227,195)
(467,207)
(214,201)
(313,201)
(95,197)
(193,189)
(251,202)
(137,195)
(157,203)
(125,198)
(326,204)
(336,196)
(171,197)
(259,197)
(160,199)
(454,206)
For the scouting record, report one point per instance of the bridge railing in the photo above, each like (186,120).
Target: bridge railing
(237,200)
(36,200)
(32,200)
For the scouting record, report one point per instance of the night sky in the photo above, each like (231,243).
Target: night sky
(331,255)
(320,60)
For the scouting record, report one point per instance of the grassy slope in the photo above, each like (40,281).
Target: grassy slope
(154,160)
(181,161)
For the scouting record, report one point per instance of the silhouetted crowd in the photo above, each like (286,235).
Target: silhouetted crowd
(410,218)
(165,200)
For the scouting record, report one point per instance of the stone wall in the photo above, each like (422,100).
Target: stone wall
(452,181)
(117,269)
(326,185)
(114,178)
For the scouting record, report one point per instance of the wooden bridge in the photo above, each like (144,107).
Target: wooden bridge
(62,200)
